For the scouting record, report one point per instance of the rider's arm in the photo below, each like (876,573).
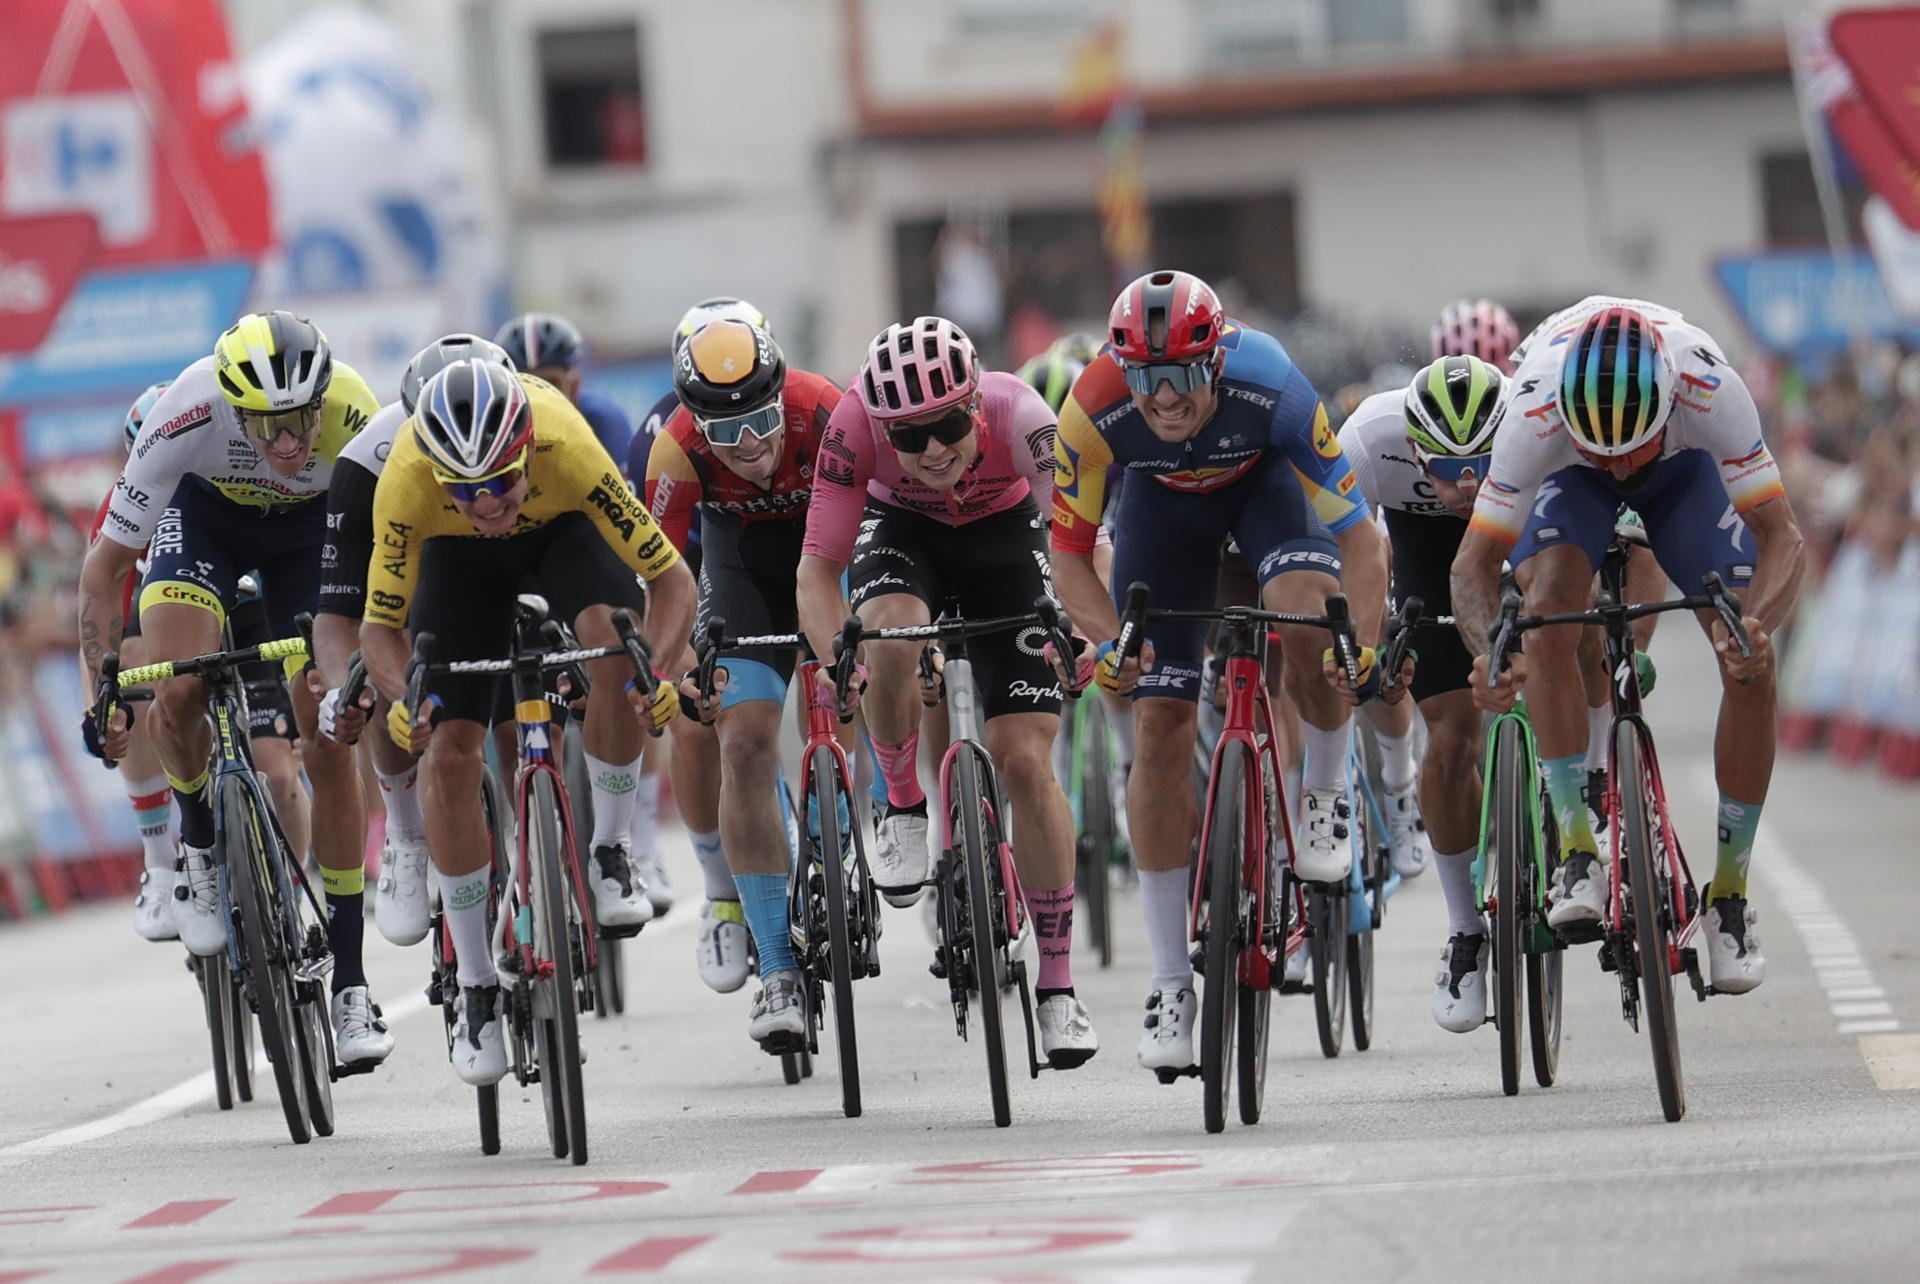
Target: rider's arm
(1363,576)
(1476,585)
(343,569)
(1303,431)
(385,650)
(840,475)
(102,577)
(822,606)
(1781,562)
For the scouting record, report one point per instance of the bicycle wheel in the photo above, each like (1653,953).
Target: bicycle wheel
(1653,917)
(313,1032)
(978,834)
(263,943)
(1327,916)
(1096,815)
(1367,859)
(215,995)
(1510,847)
(1543,1013)
(559,1035)
(240,1027)
(832,871)
(609,978)
(1256,1003)
(1226,862)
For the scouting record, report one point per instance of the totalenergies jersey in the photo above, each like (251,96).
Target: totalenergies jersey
(857,463)
(569,472)
(684,473)
(192,431)
(1712,411)
(1265,404)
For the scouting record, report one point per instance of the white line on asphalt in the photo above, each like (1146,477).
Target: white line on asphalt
(1857,1002)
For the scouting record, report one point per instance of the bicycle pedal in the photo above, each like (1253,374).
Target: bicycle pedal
(623,933)
(783,1043)
(1607,962)
(1580,933)
(937,968)
(348,1070)
(1167,1074)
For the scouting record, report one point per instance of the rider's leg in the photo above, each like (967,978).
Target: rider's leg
(1743,752)
(750,819)
(1323,714)
(181,737)
(892,701)
(1561,580)
(280,758)
(146,786)
(339,833)
(1021,747)
(457,836)
(1450,799)
(695,768)
(1164,823)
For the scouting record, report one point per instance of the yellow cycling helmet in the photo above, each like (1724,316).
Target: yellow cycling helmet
(271,362)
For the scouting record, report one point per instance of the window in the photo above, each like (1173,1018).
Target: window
(1790,202)
(590,90)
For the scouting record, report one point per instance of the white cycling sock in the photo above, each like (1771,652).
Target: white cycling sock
(646,816)
(1456,884)
(1326,757)
(1163,897)
(1396,760)
(401,795)
(1599,723)
(1122,724)
(614,785)
(713,864)
(465,898)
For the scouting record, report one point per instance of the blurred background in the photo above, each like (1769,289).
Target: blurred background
(1338,169)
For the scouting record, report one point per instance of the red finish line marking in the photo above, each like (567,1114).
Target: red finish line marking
(776,1183)
(181,1213)
(649,1255)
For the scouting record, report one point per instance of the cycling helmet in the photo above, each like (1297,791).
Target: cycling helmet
(1476,328)
(918,367)
(1450,406)
(536,339)
(472,420)
(1051,374)
(1616,383)
(141,407)
(1166,316)
(268,363)
(727,368)
(440,354)
(1076,347)
(721,308)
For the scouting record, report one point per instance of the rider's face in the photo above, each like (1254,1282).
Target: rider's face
(1176,416)
(494,514)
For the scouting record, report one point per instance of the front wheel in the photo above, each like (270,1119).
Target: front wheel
(978,835)
(1509,845)
(216,995)
(1095,847)
(1226,862)
(1327,914)
(831,869)
(245,846)
(1653,917)
(560,1078)
(1543,1013)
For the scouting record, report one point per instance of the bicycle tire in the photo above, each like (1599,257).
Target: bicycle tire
(215,995)
(1256,1003)
(560,1063)
(1096,811)
(609,978)
(1372,893)
(1226,863)
(1652,918)
(261,932)
(833,875)
(313,1031)
(1545,974)
(1327,912)
(1508,843)
(974,832)
(240,1025)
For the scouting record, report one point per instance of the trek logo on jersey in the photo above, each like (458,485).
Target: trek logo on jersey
(616,512)
(1695,392)
(1248,394)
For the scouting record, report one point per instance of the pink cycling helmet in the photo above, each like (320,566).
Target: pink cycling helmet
(1476,328)
(914,369)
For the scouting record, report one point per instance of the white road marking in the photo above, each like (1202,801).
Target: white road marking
(1858,1003)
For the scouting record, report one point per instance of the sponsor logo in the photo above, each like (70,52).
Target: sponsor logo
(836,462)
(382,450)
(1040,446)
(340,590)
(388,601)
(1324,442)
(1546,410)
(662,496)
(1752,457)
(187,420)
(126,524)
(656,545)
(1546,534)
(1248,394)
(1709,357)
(1388,457)
(1021,689)
(335,521)
(1031,640)
(135,496)
(354,419)
(614,509)
(1500,487)
(1171,679)
(329,556)
(1120,411)
(1741,572)
(1527,386)
(1297,559)
(189,595)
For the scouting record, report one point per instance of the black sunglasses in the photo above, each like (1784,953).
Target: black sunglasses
(950,429)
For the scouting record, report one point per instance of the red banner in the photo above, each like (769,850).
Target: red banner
(1881,47)
(40,259)
(1885,167)
(132,111)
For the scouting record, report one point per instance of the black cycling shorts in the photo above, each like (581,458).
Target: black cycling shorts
(747,577)
(469,586)
(991,567)
(204,542)
(1423,552)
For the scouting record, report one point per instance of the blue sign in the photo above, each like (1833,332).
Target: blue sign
(123,329)
(634,386)
(1801,303)
(73,430)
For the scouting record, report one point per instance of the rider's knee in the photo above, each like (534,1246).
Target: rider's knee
(892,661)
(751,750)
(1164,728)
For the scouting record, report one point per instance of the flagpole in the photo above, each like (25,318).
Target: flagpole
(1807,31)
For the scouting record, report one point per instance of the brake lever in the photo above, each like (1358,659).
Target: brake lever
(417,672)
(1401,640)
(706,651)
(1728,607)
(1503,640)
(1344,645)
(1132,622)
(1062,639)
(846,657)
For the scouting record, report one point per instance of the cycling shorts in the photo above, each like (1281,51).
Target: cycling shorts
(1168,538)
(1423,552)
(470,585)
(747,574)
(204,542)
(1689,519)
(269,701)
(994,566)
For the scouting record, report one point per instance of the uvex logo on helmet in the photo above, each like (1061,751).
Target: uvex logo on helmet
(1166,315)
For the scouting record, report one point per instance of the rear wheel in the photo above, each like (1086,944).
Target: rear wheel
(1097,822)
(832,870)
(1256,1004)
(1653,917)
(240,1027)
(215,996)
(560,1077)
(1370,863)
(1510,846)
(1226,860)
(263,940)
(978,835)
(499,816)
(1327,914)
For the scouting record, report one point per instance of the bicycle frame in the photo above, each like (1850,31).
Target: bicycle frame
(964,736)
(1542,938)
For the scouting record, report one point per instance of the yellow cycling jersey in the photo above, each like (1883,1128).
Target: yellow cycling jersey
(569,472)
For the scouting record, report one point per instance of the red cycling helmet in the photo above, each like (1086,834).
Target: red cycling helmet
(1476,328)
(1166,316)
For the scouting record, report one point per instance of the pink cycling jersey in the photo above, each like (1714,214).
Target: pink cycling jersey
(857,462)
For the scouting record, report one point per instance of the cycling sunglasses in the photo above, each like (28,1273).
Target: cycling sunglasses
(1145,378)
(1452,468)
(949,430)
(470,490)
(762,423)
(268,428)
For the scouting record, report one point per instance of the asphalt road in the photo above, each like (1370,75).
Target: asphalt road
(1799,1157)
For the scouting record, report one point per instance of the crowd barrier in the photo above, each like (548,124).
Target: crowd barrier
(1851,681)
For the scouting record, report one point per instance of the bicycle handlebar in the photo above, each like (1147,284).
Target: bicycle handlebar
(1716,598)
(1345,646)
(1133,623)
(1399,639)
(212,662)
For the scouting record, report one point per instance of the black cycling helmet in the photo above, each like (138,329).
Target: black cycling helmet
(536,339)
(727,368)
(440,354)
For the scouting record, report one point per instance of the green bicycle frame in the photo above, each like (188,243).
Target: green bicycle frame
(1540,938)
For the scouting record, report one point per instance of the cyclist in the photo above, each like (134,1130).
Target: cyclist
(930,483)
(744,450)
(1228,437)
(1477,328)
(227,476)
(1627,401)
(1420,454)
(500,478)
(401,908)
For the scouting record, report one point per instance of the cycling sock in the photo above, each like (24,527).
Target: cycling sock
(898,763)
(1326,766)
(196,810)
(1053,929)
(1738,822)
(1599,723)
(614,785)
(645,832)
(763,899)
(400,793)
(465,898)
(1456,884)
(1121,724)
(1396,760)
(877,784)
(713,863)
(1163,896)
(1566,778)
(153,811)
(346,923)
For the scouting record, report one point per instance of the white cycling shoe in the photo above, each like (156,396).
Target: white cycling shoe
(400,905)
(654,875)
(901,865)
(722,950)
(153,907)
(1166,1045)
(1579,894)
(198,914)
(1324,854)
(360,1037)
(778,1018)
(479,1049)
(1460,986)
(1734,961)
(1406,833)
(620,904)
(1066,1032)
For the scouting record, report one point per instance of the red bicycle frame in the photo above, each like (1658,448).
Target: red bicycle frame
(534,720)
(1666,839)
(1016,897)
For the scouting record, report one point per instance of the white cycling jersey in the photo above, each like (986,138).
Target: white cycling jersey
(193,431)
(1374,440)
(370,446)
(1712,411)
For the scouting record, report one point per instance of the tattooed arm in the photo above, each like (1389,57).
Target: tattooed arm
(1476,605)
(105,571)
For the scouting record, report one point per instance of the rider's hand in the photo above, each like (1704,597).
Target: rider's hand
(660,706)
(1394,688)
(932,693)
(341,724)
(1743,671)
(1116,677)
(690,705)
(109,743)
(824,677)
(1336,675)
(410,734)
(1085,655)
(1501,698)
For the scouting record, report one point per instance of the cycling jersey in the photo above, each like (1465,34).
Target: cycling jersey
(639,451)
(349,546)
(683,472)
(1374,440)
(568,472)
(192,431)
(1265,404)
(608,421)
(1712,412)
(1015,462)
